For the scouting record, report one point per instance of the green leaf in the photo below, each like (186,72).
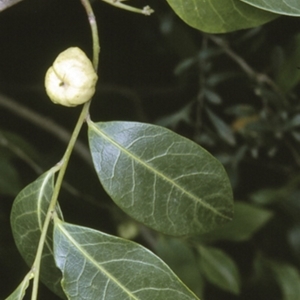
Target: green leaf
(282,7)
(224,130)
(219,269)
(212,97)
(96,265)
(181,259)
(248,219)
(27,219)
(159,178)
(269,196)
(19,292)
(288,278)
(215,16)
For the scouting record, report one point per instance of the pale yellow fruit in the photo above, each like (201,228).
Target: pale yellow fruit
(72,79)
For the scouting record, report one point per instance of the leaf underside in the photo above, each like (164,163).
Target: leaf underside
(215,16)
(286,7)
(159,178)
(99,266)
(27,219)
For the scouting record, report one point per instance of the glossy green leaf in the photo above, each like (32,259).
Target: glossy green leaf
(219,269)
(181,259)
(159,178)
(215,16)
(248,219)
(19,292)
(288,279)
(282,7)
(96,265)
(27,218)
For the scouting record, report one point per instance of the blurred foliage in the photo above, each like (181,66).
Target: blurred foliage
(237,95)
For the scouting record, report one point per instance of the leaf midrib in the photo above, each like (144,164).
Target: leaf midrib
(161,175)
(60,224)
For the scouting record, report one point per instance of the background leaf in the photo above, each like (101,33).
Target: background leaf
(181,259)
(224,131)
(248,219)
(288,278)
(215,16)
(27,219)
(286,7)
(160,178)
(99,266)
(219,269)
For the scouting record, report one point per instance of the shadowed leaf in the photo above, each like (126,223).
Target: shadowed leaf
(27,219)
(219,269)
(287,277)
(248,219)
(182,260)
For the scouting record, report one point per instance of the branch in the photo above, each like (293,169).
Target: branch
(258,77)
(147,10)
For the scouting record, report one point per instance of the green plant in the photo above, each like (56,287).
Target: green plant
(150,172)
(136,162)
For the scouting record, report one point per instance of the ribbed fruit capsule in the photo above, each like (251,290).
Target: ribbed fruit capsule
(71,80)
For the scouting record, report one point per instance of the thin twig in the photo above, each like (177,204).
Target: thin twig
(258,77)
(147,10)
(94,29)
